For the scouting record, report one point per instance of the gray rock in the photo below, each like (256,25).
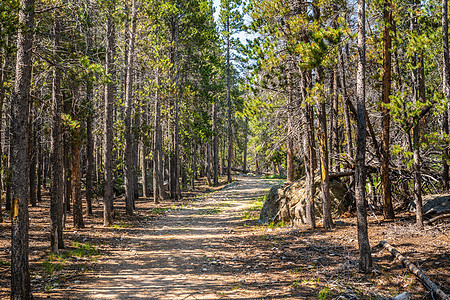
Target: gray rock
(433,204)
(288,203)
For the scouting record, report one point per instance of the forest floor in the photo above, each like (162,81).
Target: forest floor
(211,247)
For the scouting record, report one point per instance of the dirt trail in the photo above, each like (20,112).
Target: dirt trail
(205,250)
(183,255)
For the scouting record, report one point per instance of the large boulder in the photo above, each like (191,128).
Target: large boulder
(288,203)
(434,204)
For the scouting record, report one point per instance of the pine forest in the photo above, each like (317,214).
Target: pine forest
(224,149)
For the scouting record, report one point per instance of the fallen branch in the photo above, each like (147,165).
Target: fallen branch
(443,216)
(430,285)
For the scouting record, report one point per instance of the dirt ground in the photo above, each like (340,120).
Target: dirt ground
(203,248)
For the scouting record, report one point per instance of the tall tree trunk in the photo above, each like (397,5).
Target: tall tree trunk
(39,168)
(108,123)
(334,118)
(388,209)
(290,142)
(158,168)
(3,78)
(33,159)
(230,133)
(348,125)
(194,167)
(89,162)
(2,97)
(215,149)
(244,167)
(309,157)
(20,274)
(8,183)
(324,168)
(365,257)
(446,86)
(135,156)
(57,157)
(175,178)
(90,168)
(56,154)
(76,180)
(208,163)
(128,159)
(67,175)
(418,96)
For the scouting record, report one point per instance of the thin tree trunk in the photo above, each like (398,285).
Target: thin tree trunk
(194,167)
(309,157)
(418,96)
(385,122)
(290,142)
(348,126)
(33,159)
(365,257)
(89,163)
(128,159)
(89,124)
(76,180)
(57,158)
(446,88)
(67,176)
(20,274)
(244,168)
(143,160)
(334,118)
(324,168)
(39,168)
(230,133)
(208,163)
(158,168)
(215,146)
(108,123)
(3,76)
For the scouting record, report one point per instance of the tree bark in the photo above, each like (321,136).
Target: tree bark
(388,209)
(365,257)
(128,157)
(108,123)
(20,274)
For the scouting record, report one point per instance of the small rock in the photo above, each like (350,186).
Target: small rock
(403,296)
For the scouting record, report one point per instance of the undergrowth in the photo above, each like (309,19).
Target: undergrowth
(252,212)
(57,264)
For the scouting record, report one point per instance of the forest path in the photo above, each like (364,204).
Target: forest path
(186,254)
